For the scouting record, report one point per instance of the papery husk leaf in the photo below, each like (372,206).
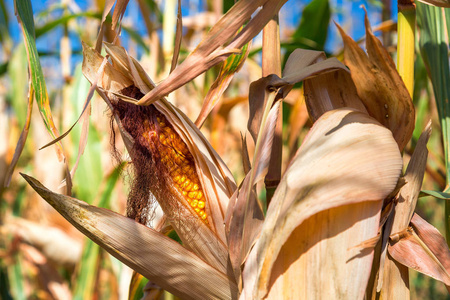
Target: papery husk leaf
(84,116)
(245,156)
(414,174)
(257,97)
(217,181)
(146,251)
(379,85)
(299,268)
(331,91)
(111,81)
(348,161)
(422,248)
(119,11)
(393,277)
(301,65)
(213,49)
(106,10)
(247,216)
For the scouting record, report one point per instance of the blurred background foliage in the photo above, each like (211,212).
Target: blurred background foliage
(41,255)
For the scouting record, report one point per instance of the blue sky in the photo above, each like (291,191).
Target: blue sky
(346,12)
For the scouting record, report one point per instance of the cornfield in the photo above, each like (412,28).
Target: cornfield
(251,149)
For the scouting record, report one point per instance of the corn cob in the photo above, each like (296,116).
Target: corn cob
(178,161)
(156,141)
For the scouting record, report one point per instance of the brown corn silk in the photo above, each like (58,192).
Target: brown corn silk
(158,153)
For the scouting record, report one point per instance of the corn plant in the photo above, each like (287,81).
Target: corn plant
(338,221)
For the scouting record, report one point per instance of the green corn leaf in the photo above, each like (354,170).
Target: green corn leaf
(134,35)
(24,14)
(87,272)
(4,33)
(64,20)
(436,194)
(89,167)
(17,279)
(434,49)
(17,71)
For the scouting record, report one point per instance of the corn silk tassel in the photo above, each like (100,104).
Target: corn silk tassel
(172,161)
(160,157)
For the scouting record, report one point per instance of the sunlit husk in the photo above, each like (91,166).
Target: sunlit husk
(218,184)
(155,256)
(328,201)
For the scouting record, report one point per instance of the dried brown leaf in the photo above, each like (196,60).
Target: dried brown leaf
(212,49)
(150,253)
(379,85)
(422,248)
(119,11)
(330,91)
(393,278)
(302,64)
(247,216)
(409,193)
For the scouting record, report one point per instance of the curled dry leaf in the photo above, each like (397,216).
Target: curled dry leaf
(393,277)
(302,64)
(331,91)
(346,166)
(246,215)
(171,159)
(214,49)
(422,248)
(379,85)
(327,91)
(157,257)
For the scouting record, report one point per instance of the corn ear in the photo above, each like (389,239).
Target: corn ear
(201,231)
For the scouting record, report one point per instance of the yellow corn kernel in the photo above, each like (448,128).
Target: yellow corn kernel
(177,159)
